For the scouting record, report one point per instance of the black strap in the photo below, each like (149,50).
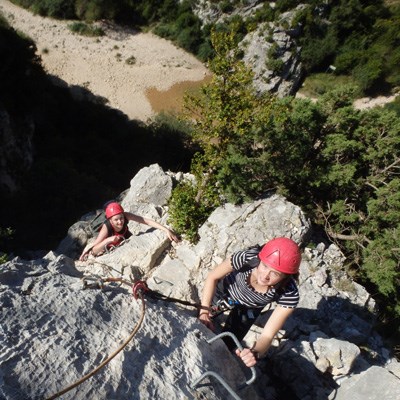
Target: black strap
(159,296)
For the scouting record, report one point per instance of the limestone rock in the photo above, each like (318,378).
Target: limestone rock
(57,333)
(270,50)
(53,332)
(336,356)
(150,185)
(374,383)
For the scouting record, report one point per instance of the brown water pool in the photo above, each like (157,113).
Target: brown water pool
(171,100)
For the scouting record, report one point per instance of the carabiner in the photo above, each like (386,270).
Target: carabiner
(139,287)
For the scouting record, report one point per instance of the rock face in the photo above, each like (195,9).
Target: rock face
(274,58)
(374,383)
(270,50)
(53,332)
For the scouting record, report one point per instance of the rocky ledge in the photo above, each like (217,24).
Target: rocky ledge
(54,332)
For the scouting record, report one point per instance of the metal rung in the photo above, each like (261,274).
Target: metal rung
(219,377)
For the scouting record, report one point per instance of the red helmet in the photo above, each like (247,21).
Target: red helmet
(282,254)
(113,209)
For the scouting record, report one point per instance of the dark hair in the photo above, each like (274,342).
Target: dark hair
(281,286)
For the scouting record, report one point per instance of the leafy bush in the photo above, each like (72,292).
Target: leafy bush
(264,14)
(276,65)
(84,29)
(63,9)
(226,6)
(92,10)
(285,5)
(186,212)
(347,57)
(166,31)
(205,51)
(188,40)
(225,111)
(185,31)
(317,51)
(369,74)
(394,106)
(318,84)
(131,60)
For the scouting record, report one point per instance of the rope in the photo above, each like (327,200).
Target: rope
(90,374)
(215,310)
(159,296)
(153,294)
(106,268)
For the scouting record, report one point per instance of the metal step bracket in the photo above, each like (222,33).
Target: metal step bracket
(219,377)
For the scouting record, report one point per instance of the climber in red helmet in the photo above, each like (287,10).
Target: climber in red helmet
(248,281)
(115,230)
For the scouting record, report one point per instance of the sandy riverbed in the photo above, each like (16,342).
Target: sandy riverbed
(99,64)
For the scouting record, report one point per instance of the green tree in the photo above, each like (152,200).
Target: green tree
(357,192)
(341,165)
(225,117)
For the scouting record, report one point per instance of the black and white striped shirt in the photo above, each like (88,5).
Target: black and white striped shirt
(243,262)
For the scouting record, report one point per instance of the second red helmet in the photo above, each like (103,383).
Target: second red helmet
(282,254)
(113,209)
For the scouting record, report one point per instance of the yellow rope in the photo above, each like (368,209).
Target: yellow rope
(90,374)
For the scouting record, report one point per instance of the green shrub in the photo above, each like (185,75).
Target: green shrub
(264,14)
(316,85)
(347,59)
(394,106)
(226,6)
(188,40)
(275,65)
(186,214)
(285,5)
(170,123)
(166,31)
(84,29)
(205,51)
(185,31)
(369,74)
(94,10)
(63,9)
(131,60)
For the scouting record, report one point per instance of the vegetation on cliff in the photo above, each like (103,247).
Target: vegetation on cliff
(341,165)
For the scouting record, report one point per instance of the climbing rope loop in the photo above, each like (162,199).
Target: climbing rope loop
(139,295)
(139,290)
